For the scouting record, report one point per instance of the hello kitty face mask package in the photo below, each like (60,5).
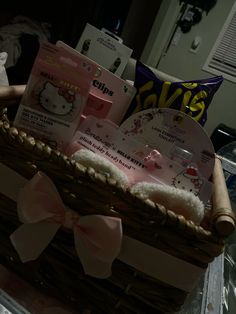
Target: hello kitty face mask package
(55,95)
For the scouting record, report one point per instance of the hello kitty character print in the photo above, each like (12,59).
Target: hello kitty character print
(188,180)
(57,100)
(136,126)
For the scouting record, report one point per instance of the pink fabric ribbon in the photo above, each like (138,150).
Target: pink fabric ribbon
(40,208)
(153,160)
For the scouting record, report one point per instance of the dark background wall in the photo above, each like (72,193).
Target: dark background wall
(130,19)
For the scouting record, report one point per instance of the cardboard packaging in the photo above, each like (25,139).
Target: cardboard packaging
(109,96)
(104,49)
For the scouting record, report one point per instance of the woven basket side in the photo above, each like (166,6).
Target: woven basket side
(90,192)
(58,272)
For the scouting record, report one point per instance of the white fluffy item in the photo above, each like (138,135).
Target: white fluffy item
(179,201)
(100,164)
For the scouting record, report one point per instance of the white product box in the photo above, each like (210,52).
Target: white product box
(104,49)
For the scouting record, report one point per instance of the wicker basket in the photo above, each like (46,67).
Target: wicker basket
(58,270)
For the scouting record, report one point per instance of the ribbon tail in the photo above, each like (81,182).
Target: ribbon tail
(92,265)
(30,240)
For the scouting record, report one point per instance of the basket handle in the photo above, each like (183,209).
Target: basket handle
(223,217)
(9,95)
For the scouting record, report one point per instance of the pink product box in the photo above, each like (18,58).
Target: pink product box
(110,96)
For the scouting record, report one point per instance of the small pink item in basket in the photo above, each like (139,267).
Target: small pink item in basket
(110,94)
(97,106)
(153,160)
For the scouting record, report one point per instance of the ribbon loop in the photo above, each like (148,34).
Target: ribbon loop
(153,160)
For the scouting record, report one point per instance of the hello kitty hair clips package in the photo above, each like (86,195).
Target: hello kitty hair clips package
(182,154)
(55,95)
(161,154)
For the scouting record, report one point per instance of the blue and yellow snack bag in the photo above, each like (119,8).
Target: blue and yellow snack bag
(191,97)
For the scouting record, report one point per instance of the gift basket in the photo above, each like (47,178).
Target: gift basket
(174,251)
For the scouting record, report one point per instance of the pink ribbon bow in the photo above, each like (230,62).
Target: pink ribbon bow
(40,208)
(153,160)
(67,94)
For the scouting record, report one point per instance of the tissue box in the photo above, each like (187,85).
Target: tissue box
(104,49)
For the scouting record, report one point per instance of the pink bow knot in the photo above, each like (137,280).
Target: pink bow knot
(67,94)
(40,208)
(153,160)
